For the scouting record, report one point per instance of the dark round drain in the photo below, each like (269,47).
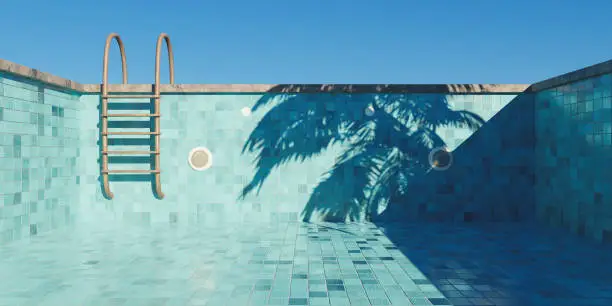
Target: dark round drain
(440,159)
(92,262)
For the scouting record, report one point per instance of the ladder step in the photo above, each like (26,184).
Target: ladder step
(130,152)
(131,133)
(148,96)
(130,171)
(132,115)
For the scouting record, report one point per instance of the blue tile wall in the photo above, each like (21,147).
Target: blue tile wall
(223,123)
(491,177)
(574,131)
(39,139)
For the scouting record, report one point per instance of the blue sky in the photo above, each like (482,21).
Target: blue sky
(316,41)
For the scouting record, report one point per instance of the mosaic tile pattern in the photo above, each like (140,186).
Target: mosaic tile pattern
(218,122)
(506,263)
(573,149)
(305,264)
(39,140)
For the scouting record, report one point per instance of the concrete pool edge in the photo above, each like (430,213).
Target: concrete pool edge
(574,76)
(65,84)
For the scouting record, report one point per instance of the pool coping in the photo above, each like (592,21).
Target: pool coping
(65,84)
(574,76)
(62,83)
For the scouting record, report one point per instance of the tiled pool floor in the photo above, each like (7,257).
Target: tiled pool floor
(305,264)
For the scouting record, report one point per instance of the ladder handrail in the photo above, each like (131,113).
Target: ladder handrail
(104,104)
(160,39)
(109,40)
(163,37)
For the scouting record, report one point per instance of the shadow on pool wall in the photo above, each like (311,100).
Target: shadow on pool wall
(386,141)
(573,157)
(491,178)
(543,157)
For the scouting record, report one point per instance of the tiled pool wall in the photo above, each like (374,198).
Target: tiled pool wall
(491,178)
(573,150)
(218,122)
(542,154)
(39,147)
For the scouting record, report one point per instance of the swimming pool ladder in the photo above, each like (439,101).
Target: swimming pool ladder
(155,115)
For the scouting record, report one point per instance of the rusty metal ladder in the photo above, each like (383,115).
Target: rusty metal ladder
(156,95)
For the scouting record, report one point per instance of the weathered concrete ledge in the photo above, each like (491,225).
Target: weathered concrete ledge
(33,74)
(315,88)
(575,76)
(55,81)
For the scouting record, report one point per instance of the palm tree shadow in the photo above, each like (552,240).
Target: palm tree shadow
(494,160)
(386,137)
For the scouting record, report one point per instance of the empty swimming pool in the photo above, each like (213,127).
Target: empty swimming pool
(174,194)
